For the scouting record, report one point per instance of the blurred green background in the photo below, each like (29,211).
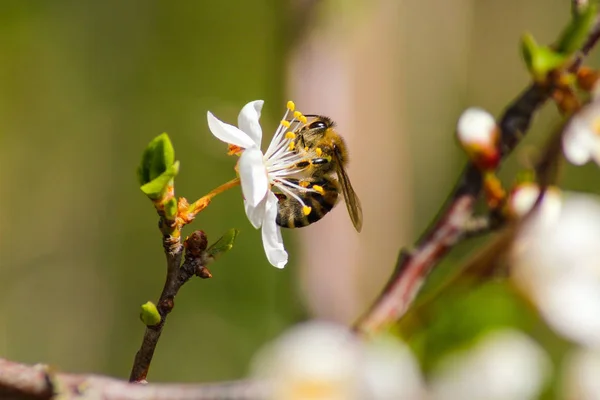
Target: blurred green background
(85,85)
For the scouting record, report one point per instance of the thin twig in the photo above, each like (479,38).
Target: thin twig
(20,382)
(195,246)
(449,226)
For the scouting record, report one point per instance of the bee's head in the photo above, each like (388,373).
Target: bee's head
(319,122)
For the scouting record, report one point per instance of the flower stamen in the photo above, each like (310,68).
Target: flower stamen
(290,193)
(318,189)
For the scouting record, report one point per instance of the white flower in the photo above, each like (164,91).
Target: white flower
(260,173)
(314,360)
(581,138)
(503,365)
(555,261)
(390,371)
(524,196)
(320,360)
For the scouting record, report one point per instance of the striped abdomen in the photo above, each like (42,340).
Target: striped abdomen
(291,213)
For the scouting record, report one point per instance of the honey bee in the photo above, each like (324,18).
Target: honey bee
(326,157)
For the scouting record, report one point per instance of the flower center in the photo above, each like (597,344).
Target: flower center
(284,162)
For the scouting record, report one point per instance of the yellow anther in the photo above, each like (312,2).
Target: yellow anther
(297,115)
(318,151)
(290,135)
(306,148)
(306,210)
(318,189)
(285,123)
(303,184)
(291,106)
(292,146)
(303,119)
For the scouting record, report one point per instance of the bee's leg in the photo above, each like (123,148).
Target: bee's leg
(301,139)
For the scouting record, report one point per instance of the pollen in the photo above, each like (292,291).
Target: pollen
(318,189)
(318,151)
(306,148)
(306,210)
(292,146)
(291,105)
(290,135)
(303,119)
(298,115)
(285,123)
(304,184)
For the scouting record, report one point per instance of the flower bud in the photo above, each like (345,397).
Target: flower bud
(478,135)
(149,314)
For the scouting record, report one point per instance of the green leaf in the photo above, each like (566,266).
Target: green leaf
(540,60)
(576,32)
(156,187)
(149,314)
(158,157)
(528,48)
(224,244)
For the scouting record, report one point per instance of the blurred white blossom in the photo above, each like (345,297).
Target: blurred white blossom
(556,262)
(581,139)
(325,361)
(390,371)
(503,365)
(580,379)
(524,196)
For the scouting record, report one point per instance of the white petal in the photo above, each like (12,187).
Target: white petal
(253,175)
(248,120)
(311,355)
(390,371)
(271,235)
(256,214)
(228,133)
(578,141)
(572,306)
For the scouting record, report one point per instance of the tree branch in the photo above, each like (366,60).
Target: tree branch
(20,381)
(195,259)
(450,226)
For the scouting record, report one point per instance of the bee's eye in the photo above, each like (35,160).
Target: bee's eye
(318,125)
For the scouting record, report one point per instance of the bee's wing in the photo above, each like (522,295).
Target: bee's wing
(350,197)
